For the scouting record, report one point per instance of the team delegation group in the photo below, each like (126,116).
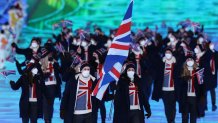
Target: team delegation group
(181,67)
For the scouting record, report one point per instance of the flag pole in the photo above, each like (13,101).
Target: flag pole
(111,110)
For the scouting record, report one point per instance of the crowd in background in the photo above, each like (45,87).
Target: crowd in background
(181,67)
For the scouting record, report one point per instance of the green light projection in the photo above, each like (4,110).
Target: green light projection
(109,13)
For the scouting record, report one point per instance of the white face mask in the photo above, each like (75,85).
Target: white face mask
(97,61)
(34,45)
(71,34)
(190,63)
(142,43)
(196,50)
(168,55)
(171,39)
(32,61)
(84,44)
(86,73)
(131,74)
(200,40)
(34,71)
(74,42)
(182,44)
(93,42)
(212,46)
(78,43)
(149,43)
(112,36)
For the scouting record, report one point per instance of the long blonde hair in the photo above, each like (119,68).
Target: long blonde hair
(185,71)
(44,62)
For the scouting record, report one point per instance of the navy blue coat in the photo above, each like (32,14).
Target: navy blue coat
(157,92)
(199,91)
(205,63)
(209,78)
(69,98)
(59,82)
(28,53)
(122,101)
(23,83)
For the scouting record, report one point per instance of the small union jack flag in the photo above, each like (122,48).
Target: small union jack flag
(139,34)
(66,23)
(188,23)
(7,73)
(83,34)
(11,57)
(200,75)
(185,23)
(135,46)
(63,23)
(60,47)
(55,26)
(76,60)
(195,26)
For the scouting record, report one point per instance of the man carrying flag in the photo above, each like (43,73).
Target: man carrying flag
(117,54)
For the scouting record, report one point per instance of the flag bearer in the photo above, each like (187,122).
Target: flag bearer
(130,101)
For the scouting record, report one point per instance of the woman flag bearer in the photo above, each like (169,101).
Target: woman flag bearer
(50,68)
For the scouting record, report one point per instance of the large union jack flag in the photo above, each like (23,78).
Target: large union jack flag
(117,54)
